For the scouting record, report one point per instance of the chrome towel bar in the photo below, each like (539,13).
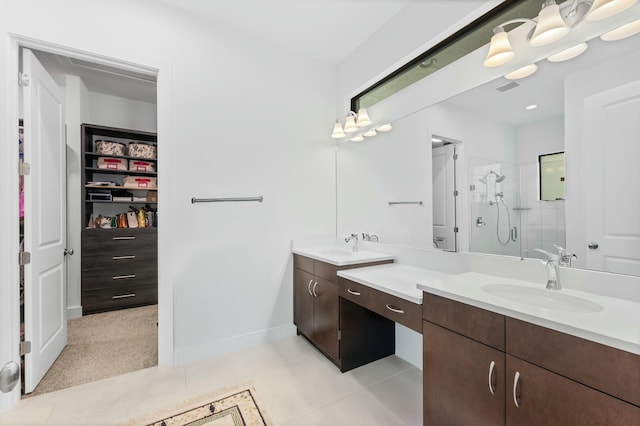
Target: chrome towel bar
(391,203)
(224,200)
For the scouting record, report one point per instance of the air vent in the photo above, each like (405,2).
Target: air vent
(508,86)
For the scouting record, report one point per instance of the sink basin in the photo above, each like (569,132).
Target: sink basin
(541,297)
(336,252)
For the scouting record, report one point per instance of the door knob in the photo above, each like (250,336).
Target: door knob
(592,245)
(68,252)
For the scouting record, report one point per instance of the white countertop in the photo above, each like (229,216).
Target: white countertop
(340,256)
(396,279)
(616,325)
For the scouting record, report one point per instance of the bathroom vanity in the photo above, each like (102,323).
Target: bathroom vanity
(495,350)
(329,324)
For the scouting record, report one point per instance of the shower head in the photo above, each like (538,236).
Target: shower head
(499,178)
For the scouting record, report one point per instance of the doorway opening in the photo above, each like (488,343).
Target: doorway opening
(445,193)
(58,95)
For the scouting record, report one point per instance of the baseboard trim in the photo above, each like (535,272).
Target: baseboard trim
(74,312)
(232,344)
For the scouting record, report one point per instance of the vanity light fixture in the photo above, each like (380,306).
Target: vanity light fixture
(603,9)
(624,31)
(351,123)
(523,72)
(569,53)
(552,23)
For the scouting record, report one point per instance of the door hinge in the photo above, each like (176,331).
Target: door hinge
(24,169)
(472,187)
(25,347)
(24,258)
(23,79)
(339,334)
(455,156)
(455,192)
(455,230)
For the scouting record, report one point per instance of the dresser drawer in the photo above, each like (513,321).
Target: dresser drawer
(99,241)
(389,306)
(118,297)
(476,323)
(117,263)
(101,278)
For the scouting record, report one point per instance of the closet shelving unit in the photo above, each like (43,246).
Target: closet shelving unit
(119,265)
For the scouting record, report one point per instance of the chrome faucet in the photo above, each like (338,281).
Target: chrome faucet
(354,238)
(564,257)
(553,271)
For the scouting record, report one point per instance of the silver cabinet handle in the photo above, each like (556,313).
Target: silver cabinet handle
(516,379)
(123,238)
(394,309)
(123,277)
(355,293)
(593,246)
(314,289)
(492,366)
(124,296)
(309,287)
(123,257)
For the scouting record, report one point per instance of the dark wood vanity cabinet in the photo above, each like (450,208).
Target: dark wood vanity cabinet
(332,327)
(463,364)
(484,368)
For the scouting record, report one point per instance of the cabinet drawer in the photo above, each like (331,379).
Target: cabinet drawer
(478,324)
(97,241)
(391,307)
(118,297)
(100,278)
(303,263)
(608,369)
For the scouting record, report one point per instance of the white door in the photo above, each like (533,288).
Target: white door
(612,183)
(45,218)
(444,200)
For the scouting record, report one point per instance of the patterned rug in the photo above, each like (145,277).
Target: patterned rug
(237,409)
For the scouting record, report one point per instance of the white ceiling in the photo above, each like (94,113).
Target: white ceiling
(327,30)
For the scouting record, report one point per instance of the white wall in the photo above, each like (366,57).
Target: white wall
(115,111)
(77,110)
(229,128)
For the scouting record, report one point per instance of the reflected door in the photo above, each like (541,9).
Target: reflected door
(444,198)
(612,183)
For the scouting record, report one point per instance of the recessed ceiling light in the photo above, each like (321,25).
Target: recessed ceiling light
(523,72)
(436,140)
(624,31)
(530,107)
(569,53)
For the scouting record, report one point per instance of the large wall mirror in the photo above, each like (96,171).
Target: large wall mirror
(586,121)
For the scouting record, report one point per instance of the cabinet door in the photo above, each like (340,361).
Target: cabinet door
(303,302)
(546,398)
(326,317)
(460,386)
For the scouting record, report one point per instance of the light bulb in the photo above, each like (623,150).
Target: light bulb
(550,27)
(338,132)
(603,9)
(500,50)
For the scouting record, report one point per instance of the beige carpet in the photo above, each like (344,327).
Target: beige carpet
(104,345)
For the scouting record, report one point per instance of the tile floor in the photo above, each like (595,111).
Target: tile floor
(294,384)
